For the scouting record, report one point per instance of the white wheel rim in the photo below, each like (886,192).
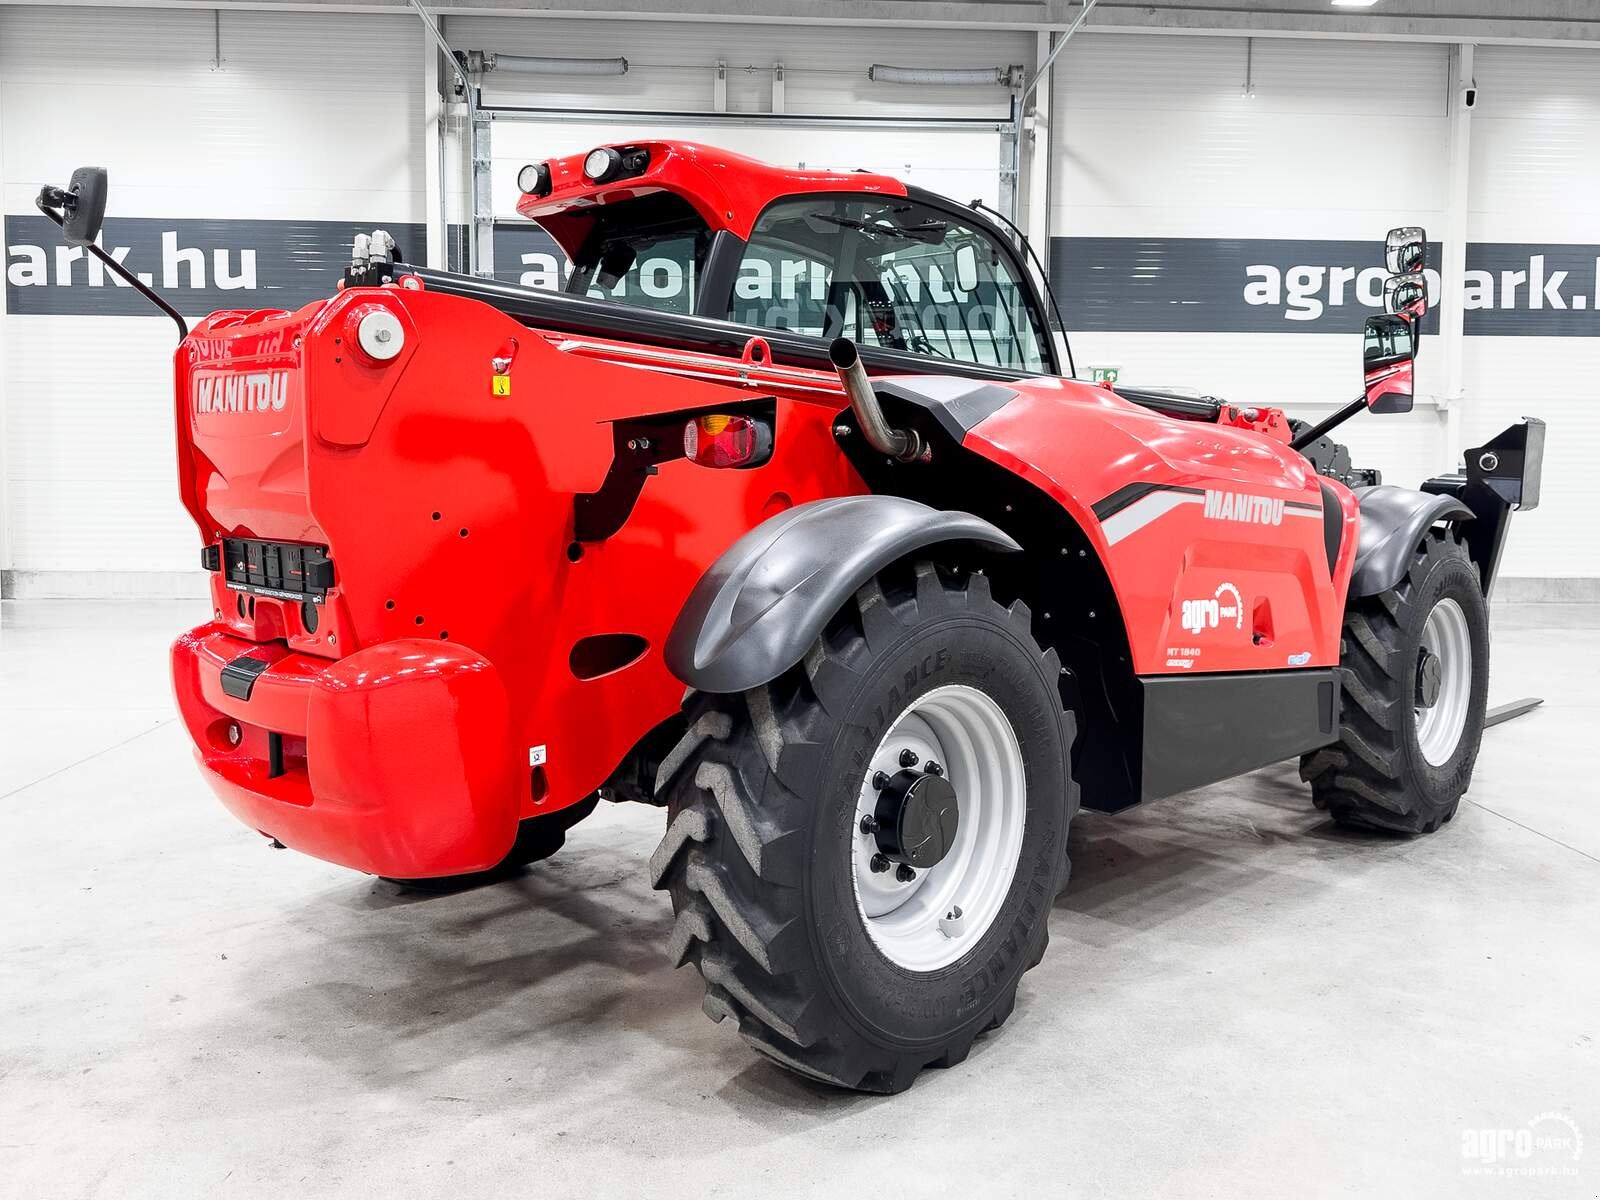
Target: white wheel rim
(1439,727)
(913,924)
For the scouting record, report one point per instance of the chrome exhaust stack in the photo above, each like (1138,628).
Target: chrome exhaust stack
(903,444)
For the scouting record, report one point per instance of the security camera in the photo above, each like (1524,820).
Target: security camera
(1469,96)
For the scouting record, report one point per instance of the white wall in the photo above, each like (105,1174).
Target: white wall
(1342,140)
(317,116)
(1536,179)
(670,65)
(310,116)
(320,116)
(1156,140)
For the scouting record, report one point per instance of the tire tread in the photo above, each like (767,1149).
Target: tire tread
(739,776)
(1363,779)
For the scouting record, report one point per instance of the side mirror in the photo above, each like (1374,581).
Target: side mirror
(1407,294)
(1389,351)
(967,268)
(85,206)
(1405,251)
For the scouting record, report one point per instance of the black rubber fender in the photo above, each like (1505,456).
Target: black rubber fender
(758,608)
(1394,521)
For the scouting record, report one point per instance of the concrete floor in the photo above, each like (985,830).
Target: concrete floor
(1239,1000)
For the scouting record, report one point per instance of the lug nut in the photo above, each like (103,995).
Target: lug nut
(869,824)
(904,873)
(235,736)
(933,768)
(880,780)
(879,863)
(908,758)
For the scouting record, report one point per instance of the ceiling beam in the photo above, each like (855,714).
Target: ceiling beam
(1550,22)
(1555,22)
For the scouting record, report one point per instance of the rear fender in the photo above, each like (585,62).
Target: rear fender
(759,607)
(1394,521)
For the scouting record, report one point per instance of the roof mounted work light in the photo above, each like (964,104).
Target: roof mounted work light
(606,163)
(534,179)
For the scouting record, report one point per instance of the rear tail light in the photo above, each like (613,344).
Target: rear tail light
(726,440)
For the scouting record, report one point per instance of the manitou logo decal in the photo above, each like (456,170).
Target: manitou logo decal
(1246,509)
(1226,605)
(258,391)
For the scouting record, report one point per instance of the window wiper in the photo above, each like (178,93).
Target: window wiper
(930,233)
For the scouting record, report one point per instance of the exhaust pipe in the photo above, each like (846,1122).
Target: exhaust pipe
(903,444)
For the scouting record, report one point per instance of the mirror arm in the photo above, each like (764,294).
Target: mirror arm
(1312,433)
(55,196)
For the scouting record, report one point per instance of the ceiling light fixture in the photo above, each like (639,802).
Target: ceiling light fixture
(529,65)
(947,76)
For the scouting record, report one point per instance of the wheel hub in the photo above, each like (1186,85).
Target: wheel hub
(1443,697)
(1430,674)
(946,787)
(916,818)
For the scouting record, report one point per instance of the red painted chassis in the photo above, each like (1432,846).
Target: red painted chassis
(437,703)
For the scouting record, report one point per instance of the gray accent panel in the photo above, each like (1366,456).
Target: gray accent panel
(959,405)
(1393,521)
(759,607)
(1199,729)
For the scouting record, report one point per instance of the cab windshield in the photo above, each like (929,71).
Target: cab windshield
(648,252)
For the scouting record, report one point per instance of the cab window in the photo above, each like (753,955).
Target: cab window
(648,252)
(890,272)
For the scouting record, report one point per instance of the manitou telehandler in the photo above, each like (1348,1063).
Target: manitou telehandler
(787,515)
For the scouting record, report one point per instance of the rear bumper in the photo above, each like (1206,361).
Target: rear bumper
(395,760)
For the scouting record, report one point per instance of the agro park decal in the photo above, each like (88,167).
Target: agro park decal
(1223,285)
(200,265)
(1224,605)
(1281,285)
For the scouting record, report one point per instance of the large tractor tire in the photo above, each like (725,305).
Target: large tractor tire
(863,854)
(1415,667)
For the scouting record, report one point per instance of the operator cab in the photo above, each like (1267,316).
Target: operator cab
(892,273)
(815,253)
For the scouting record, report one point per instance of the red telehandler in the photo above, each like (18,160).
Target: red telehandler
(787,516)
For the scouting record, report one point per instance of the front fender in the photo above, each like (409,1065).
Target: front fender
(1393,522)
(759,607)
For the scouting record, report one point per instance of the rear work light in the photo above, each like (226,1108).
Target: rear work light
(727,440)
(607,163)
(534,179)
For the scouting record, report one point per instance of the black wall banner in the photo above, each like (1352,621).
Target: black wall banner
(1197,285)
(1262,285)
(199,265)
